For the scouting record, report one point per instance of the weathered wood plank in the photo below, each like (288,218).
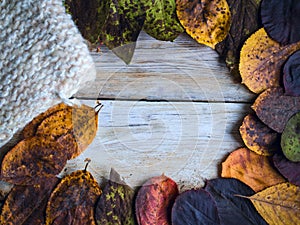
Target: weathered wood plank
(182,70)
(185,140)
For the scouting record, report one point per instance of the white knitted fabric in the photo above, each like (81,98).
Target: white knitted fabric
(43,61)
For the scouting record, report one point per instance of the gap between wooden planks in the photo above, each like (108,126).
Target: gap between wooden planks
(175,109)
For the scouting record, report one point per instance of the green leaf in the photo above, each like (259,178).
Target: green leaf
(161,20)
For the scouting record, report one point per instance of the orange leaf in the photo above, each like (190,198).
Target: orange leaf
(279,204)
(207,21)
(258,137)
(261,61)
(252,169)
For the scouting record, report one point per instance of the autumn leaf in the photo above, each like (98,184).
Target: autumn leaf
(258,137)
(154,201)
(73,200)
(274,108)
(291,75)
(252,169)
(74,127)
(281,20)
(195,207)
(208,22)
(89,16)
(115,205)
(261,61)
(122,27)
(26,205)
(32,160)
(161,20)
(244,21)
(232,209)
(290,170)
(279,204)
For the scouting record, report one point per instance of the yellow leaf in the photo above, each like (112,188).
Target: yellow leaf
(261,61)
(207,21)
(279,204)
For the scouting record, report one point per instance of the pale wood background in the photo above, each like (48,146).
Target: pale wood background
(175,110)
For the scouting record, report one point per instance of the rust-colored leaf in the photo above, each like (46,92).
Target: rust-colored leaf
(279,204)
(26,205)
(74,127)
(252,169)
(261,61)
(258,137)
(73,200)
(31,128)
(31,160)
(154,201)
(275,109)
(208,22)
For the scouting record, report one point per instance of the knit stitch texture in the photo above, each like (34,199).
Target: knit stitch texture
(43,61)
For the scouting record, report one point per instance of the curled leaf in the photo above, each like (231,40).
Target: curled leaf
(291,75)
(279,204)
(208,22)
(154,201)
(250,168)
(31,160)
(275,109)
(281,20)
(261,61)
(73,200)
(231,208)
(115,205)
(258,137)
(26,205)
(195,207)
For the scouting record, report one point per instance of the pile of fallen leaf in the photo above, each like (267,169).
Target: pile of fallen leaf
(260,183)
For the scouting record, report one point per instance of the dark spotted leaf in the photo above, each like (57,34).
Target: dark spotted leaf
(232,209)
(154,201)
(275,109)
(291,75)
(32,160)
(26,205)
(244,21)
(122,26)
(115,205)
(281,20)
(89,16)
(208,22)
(195,207)
(290,170)
(73,200)
(161,20)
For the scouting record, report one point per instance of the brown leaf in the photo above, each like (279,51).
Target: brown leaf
(279,205)
(208,22)
(258,137)
(261,61)
(275,109)
(26,205)
(154,201)
(74,127)
(252,169)
(31,160)
(73,200)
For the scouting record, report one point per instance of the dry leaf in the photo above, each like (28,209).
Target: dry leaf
(274,108)
(252,169)
(258,137)
(261,61)
(207,21)
(279,205)
(73,200)
(291,75)
(33,159)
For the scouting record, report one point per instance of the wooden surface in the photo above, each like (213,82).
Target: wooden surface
(175,110)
